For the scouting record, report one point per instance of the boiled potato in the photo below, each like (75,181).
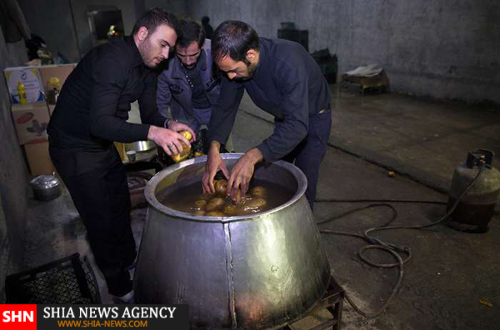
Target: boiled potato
(205,197)
(254,205)
(231,210)
(199,205)
(187,135)
(183,155)
(214,204)
(185,149)
(199,212)
(258,191)
(245,200)
(221,187)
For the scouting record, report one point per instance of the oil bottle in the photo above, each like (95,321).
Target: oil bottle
(21,90)
(475,210)
(53,90)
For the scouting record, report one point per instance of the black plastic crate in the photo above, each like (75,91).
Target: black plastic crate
(65,281)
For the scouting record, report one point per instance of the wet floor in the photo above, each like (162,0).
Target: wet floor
(452,280)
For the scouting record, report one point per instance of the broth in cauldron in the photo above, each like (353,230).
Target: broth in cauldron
(262,196)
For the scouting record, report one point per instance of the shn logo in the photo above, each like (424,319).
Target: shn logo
(17,316)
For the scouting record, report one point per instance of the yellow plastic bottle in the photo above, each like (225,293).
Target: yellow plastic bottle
(21,90)
(54,88)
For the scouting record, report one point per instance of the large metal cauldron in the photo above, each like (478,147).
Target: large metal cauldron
(241,272)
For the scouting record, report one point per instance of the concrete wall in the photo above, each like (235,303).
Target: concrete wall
(64,24)
(80,8)
(445,48)
(13,173)
(177,7)
(52,20)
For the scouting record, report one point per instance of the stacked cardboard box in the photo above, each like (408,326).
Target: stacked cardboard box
(31,118)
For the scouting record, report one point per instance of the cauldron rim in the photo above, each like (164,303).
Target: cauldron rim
(158,177)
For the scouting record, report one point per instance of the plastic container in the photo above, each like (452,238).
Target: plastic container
(21,90)
(69,280)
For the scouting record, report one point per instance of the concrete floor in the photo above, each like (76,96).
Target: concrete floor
(450,273)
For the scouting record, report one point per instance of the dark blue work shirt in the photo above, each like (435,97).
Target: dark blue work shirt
(288,84)
(199,97)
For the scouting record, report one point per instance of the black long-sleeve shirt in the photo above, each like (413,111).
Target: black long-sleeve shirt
(288,84)
(93,106)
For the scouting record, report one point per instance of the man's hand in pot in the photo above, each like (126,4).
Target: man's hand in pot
(213,165)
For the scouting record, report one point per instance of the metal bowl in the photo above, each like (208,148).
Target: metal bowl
(140,146)
(45,187)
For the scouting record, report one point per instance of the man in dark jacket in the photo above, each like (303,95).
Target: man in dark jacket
(187,88)
(282,79)
(91,113)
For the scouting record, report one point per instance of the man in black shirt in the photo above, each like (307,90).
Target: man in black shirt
(91,113)
(282,79)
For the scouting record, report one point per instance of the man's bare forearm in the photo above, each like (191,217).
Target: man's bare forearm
(254,156)
(215,146)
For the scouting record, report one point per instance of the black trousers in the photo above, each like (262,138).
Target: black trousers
(309,153)
(97,182)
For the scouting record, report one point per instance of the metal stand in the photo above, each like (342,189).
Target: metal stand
(138,166)
(326,315)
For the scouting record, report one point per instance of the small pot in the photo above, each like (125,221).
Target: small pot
(140,146)
(46,187)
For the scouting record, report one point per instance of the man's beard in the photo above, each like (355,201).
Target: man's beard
(190,67)
(251,71)
(145,49)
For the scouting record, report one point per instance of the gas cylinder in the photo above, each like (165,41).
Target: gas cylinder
(475,209)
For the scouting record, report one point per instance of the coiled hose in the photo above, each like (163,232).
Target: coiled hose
(375,243)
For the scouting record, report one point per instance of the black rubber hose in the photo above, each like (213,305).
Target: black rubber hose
(376,243)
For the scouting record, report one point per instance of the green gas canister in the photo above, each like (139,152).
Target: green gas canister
(475,210)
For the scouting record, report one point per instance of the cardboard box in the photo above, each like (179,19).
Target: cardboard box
(51,109)
(31,121)
(37,155)
(30,77)
(57,71)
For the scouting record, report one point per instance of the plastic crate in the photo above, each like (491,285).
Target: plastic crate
(65,281)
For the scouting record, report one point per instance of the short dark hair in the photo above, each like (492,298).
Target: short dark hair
(190,31)
(155,17)
(234,38)
(205,20)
